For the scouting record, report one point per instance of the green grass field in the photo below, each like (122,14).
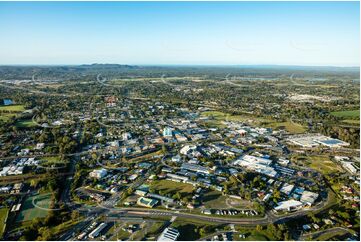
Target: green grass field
(214,199)
(347,114)
(322,164)
(252,234)
(28,123)
(13,108)
(220,116)
(255,237)
(293,128)
(30,212)
(171,186)
(51,159)
(3,216)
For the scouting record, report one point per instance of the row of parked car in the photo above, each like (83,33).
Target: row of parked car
(235,212)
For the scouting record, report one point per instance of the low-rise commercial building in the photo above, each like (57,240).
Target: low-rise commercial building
(147,202)
(98,173)
(308,197)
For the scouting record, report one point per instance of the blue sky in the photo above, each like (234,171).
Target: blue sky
(282,33)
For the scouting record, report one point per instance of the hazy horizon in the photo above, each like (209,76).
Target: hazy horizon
(184,65)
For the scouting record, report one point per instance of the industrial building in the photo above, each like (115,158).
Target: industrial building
(310,141)
(195,168)
(257,164)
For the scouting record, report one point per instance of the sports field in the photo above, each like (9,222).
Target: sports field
(30,212)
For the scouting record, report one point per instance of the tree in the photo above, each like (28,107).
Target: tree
(177,196)
(271,229)
(259,228)
(164,149)
(75,215)
(34,183)
(52,185)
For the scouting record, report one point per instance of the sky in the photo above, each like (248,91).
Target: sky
(180,33)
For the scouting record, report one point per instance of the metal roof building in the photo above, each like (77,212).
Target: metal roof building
(169,234)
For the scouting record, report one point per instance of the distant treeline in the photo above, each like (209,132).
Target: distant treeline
(74,72)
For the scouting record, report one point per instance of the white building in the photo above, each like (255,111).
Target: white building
(308,197)
(126,136)
(98,173)
(187,149)
(258,164)
(287,189)
(255,159)
(288,205)
(309,141)
(39,146)
(349,166)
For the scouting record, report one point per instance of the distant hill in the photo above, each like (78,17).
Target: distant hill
(90,71)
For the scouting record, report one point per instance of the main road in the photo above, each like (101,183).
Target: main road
(270,217)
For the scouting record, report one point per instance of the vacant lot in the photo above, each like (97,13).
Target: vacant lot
(30,212)
(3,216)
(171,186)
(220,116)
(217,118)
(291,127)
(347,114)
(215,199)
(323,164)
